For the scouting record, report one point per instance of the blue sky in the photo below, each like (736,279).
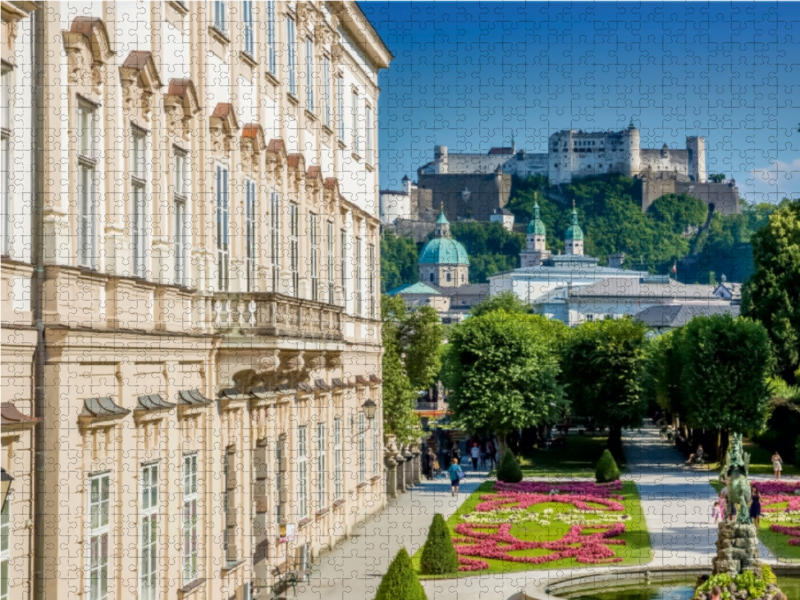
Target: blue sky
(470,75)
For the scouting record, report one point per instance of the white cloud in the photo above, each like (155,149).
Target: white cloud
(773,183)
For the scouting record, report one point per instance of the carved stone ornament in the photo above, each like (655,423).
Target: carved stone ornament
(316,362)
(140,81)
(181,105)
(333,360)
(292,361)
(269,363)
(337,53)
(223,127)
(88,50)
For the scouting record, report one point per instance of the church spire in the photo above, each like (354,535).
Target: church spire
(574,237)
(442,227)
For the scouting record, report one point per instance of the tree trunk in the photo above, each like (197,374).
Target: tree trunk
(615,442)
(501,447)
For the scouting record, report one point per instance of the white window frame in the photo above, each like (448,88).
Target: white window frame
(98,536)
(345,267)
(326,89)
(340,107)
(280,479)
(251,234)
(180,199)
(362,448)
(7,108)
(86,136)
(139,140)
(294,247)
(272,60)
(275,233)
(227,466)
(359,277)
(302,472)
(331,262)
(291,48)
(314,234)
(310,104)
(248,42)
(223,227)
(376,448)
(368,134)
(148,533)
(189,515)
(338,470)
(371,266)
(356,144)
(322,473)
(220,15)
(5,547)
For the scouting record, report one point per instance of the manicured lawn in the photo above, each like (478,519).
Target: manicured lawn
(635,551)
(577,459)
(761,461)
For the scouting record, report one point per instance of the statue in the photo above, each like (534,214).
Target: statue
(736,470)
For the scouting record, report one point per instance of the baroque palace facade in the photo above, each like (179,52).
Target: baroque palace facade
(191,344)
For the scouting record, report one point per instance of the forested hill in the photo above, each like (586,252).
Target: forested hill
(673,229)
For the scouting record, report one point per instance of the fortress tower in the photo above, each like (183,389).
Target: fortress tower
(697,158)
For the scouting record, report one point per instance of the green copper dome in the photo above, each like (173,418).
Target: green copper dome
(443,251)
(574,232)
(536,227)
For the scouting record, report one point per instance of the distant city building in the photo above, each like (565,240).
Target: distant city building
(503,216)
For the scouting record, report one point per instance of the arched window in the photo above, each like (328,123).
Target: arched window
(449,277)
(431,276)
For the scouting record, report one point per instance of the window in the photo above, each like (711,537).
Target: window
(371,279)
(181,222)
(190,569)
(368,134)
(138,201)
(310,75)
(359,277)
(5,142)
(340,106)
(222,228)
(338,473)
(356,147)
(302,472)
(148,525)
(275,242)
(362,449)
(314,219)
(280,471)
(250,233)
(326,90)
(87,175)
(291,38)
(376,448)
(220,15)
(294,247)
(331,266)
(271,55)
(449,277)
(345,268)
(228,539)
(5,547)
(247,21)
(430,276)
(322,475)
(99,501)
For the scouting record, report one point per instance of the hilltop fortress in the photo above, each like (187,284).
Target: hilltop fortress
(478,186)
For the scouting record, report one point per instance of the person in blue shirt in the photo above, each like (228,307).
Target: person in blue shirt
(455,476)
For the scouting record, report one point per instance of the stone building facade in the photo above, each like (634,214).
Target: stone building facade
(190,289)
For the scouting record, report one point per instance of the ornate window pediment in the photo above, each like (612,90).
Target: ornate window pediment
(252,145)
(88,50)
(276,157)
(140,81)
(223,128)
(181,105)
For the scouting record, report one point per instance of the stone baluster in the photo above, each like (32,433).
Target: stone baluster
(409,466)
(217,313)
(251,309)
(416,466)
(401,480)
(391,476)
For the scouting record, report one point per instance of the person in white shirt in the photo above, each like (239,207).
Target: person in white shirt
(475,454)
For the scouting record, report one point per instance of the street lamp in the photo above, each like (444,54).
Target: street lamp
(369,408)
(6,487)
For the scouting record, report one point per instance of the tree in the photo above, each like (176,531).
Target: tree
(399,418)
(507,301)
(438,554)
(603,365)
(502,372)
(725,368)
(400,581)
(399,257)
(717,177)
(509,471)
(418,335)
(607,469)
(772,292)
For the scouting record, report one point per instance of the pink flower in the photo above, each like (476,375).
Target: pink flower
(790,531)
(522,500)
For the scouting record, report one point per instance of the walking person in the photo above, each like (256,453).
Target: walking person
(716,512)
(456,474)
(755,505)
(777,465)
(475,454)
(490,453)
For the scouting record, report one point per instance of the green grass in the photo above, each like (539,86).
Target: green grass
(577,459)
(761,461)
(636,551)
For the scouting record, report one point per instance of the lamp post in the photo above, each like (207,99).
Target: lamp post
(6,479)
(369,407)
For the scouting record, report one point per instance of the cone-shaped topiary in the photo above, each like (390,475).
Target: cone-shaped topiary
(400,581)
(607,469)
(438,554)
(509,471)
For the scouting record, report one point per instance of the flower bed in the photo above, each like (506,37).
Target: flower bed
(783,520)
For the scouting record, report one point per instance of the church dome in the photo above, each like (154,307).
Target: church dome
(574,232)
(443,251)
(536,226)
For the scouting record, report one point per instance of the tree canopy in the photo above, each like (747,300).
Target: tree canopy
(399,257)
(507,301)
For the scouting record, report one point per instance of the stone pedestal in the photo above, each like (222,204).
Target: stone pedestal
(409,467)
(391,475)
(737,549)
(416,465)
(400,472)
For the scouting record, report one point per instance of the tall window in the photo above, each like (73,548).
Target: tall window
(331,261)
(250,233)
(275,242)
(247,22)
(322,474)
(272,59)
(356,146)
(222,228)
(148,525)
(138,200)
(190,570)
(87,176)
(315,295)
(181,222)
(371,279)
(359,277)
(5,547)
(338,473)
(362,449)
(340,106)
(326,89)
(345,267)
(5,143)
(294,247)
(99,500)
(220,16)
(227,541)
(302,472)
(310,75)
(368,134)
(291,39)
(376,449)
(280,471)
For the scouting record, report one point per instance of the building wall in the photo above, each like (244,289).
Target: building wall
(394,205)
(486,193)
(287,319)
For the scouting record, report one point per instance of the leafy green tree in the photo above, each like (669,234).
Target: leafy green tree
(772,294)
(725,368)
(717,177)
(399,418)
(679,212)
(502,372)
(603,364)
(399,257)
(438,554)
(607,469)
(400,581)
(662,376)
(509,471)
(490,246)
(507,301)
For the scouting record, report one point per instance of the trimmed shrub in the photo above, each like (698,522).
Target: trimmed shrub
(607,469)
(509,471)
(400,581)
(438,554)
